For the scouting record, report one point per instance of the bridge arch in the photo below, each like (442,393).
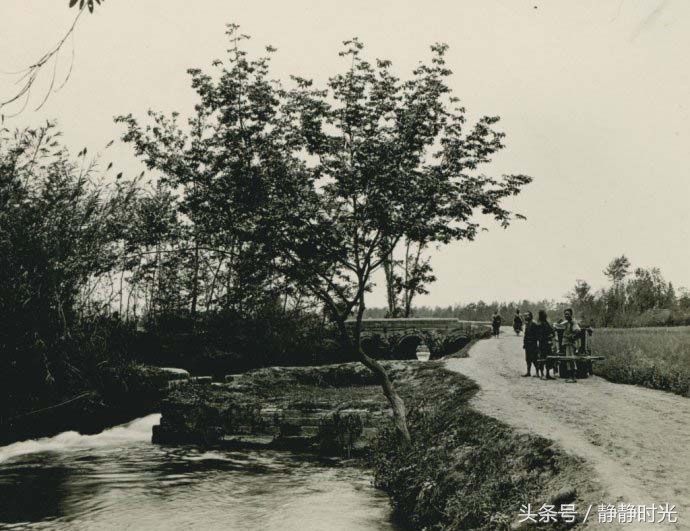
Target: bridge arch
(376,346)
(407,346)
(400,338)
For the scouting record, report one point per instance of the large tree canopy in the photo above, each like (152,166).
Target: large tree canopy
(391,159)
(324,183)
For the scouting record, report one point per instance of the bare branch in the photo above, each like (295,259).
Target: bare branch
(30,74)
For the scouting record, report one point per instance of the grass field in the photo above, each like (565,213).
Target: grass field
(658,358)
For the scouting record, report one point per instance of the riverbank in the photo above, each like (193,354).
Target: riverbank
(464,470)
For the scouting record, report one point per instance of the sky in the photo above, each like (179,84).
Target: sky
(593,96)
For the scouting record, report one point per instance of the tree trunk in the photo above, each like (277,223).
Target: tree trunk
(195,279)
(396,403)
(389,270)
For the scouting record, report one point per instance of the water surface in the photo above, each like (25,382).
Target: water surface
(119,480)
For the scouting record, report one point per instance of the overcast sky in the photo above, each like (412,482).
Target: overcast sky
(593,96)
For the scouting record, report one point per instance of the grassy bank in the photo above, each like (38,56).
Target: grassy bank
(465,470)
(658,358)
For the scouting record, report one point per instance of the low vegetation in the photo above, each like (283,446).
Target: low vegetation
(465,470)
(658,358)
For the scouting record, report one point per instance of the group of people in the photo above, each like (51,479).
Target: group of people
(540,340)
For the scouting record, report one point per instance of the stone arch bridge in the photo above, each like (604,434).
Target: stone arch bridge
(400,338)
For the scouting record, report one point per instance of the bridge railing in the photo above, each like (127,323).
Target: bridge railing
(414,323)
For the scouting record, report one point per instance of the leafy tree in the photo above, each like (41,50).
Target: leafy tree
(406,278)
(306,190)
(61,234)
(389,160)
(618,269)
(614,299)
(683,300)
(582,298)
(648,290)
(221,166)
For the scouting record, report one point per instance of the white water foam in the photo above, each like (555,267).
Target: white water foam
(138,430)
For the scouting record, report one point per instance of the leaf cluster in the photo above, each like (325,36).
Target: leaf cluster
(90,4)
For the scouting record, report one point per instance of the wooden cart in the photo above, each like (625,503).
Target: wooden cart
(581,363)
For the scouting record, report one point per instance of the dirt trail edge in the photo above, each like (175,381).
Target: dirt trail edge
(637,439)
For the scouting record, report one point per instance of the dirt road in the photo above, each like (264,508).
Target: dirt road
(637,439)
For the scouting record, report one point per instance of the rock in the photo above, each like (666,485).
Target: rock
(201,379)
(565,495)
(175,373)
(519,526)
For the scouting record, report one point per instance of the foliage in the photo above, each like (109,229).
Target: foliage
(220,343)
(61,232)
(643,298)
(629,300)
(85,3)
(455,475)
(338,433)
(618,269)
(216,177)
(406,278)
(479,311)
(394,161)
(304,191)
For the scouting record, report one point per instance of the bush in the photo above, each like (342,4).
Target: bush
(220,343)
(338,433)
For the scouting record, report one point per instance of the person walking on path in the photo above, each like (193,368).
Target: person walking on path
(496,323)
(530,343)
(517,323)
(546,335)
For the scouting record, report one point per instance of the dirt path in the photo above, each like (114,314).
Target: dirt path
(637,439)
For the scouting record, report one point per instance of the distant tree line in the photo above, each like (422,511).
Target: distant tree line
(478,311)
(635,297)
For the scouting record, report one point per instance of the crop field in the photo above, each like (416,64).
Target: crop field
(658,358)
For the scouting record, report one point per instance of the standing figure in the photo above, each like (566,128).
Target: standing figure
(496,323)
(546,337)
(571,331)
(531,345)
(517,323)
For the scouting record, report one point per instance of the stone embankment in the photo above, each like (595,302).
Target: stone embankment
(334,409)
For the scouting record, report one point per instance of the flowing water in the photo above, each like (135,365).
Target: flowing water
(119,480)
